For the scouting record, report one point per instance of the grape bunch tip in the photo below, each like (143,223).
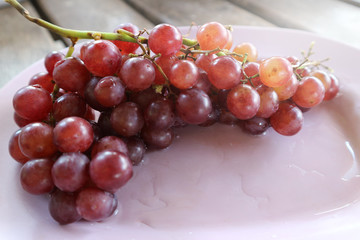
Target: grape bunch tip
(88,119)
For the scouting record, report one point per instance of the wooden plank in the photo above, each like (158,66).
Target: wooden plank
(92,14)
(201,11)
(330,18)
(22,42)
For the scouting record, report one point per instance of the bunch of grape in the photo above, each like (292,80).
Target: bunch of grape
(90,118)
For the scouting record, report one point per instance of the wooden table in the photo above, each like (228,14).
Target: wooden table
(22,42)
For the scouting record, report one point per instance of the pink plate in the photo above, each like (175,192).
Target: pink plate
(217,182)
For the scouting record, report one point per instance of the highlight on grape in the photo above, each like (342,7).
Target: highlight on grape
(90,118)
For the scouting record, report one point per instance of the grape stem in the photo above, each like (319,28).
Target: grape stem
(74,35)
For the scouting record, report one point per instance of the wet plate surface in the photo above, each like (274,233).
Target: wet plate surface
(217,182)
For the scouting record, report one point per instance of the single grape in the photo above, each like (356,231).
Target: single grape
(89,95)
(94,204)
(68,105)
(184,74)
(144,98)
(21,122)
(251,70)
(203,61)
(136,149)
(226,117)
(127,119)
(165,63)
(287,90)
(36,140)
(255,125)
(70,171)
(51,59)
(323,77)
(110,170)
(157,138)
(35,176)
(193,106)
(102,58)
(203,82)
(224,72)
(243,101)
(334,88)
(212,35)
(109,91)
(62,207)
(44,80)
(32,103)
(71,74)
(275,71)
(309,93)
(127,47)
(288,119)
(109,143)
(165,39)
(14,148)
(137,73)
(246,48)
(269,101)
(160,114)
(73,134)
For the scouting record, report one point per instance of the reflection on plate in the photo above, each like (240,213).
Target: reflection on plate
(217,182)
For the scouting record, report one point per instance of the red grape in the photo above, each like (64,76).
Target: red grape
(246,48)
(288,89)
(310,92)
(288,119)
(51,59)
(212,35)
(269,101)
(183,74)
(157,138)
(73,134)
(275,71)
(137,73)
(14,148)
(136,149)
(334,88)
(44,80)
(68,105)
(159,114)
(62,207)
(126,47)
(203,61)
(165,39)
(109,91)
(165,63)
(243,101)
(109,143)
(224,72)
(255,125)
(110,170)
(126,119)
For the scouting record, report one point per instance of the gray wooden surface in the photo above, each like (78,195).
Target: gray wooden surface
(22,42)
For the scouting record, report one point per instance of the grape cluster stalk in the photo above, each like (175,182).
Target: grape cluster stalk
(88,120)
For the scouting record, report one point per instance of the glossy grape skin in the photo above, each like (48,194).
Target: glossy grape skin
(287,90)
(137,73)
(21,122)
(110,170)
(309,93)
(36,140)
(251,69)
(35,176)
(127,47)
(89,95)
(94,204)
(157,138)
(71,74)
(67,105)
(127,119)
(144,98)
(275,71)
(255,125)
(246,48)
(193,106)
(159,114)
(165,39)
(44,80)
(102,58)
(165,63)
(243,101)
(224,72)
(323,77)
(183,74)
(203,61)
(14,148)
(109,143)
(136,149)
(269,101)
(73,134)
(32,103)
(109,91)
(70,171)
(334,88)
(288,119)
(62,207)
(51,59)
(212,35)
(203,82)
